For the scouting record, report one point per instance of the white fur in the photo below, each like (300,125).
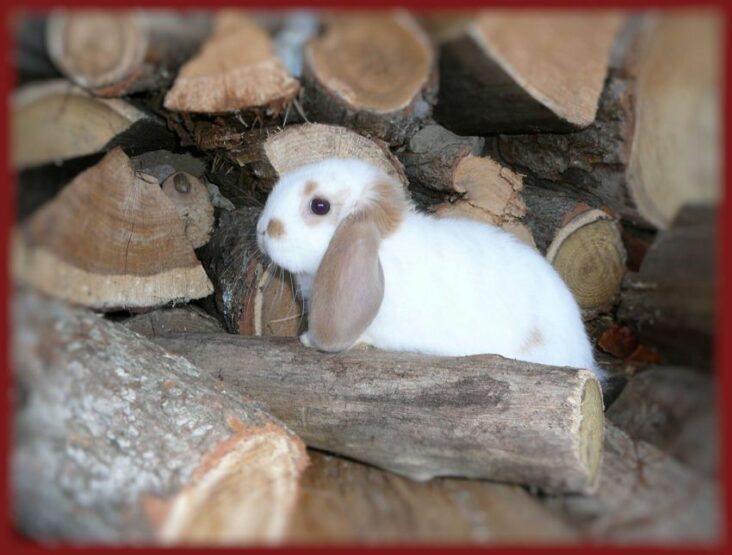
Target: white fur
(452,286)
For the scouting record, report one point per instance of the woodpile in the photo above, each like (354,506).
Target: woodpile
(161,395)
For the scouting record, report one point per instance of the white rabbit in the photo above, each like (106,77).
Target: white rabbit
(374,270)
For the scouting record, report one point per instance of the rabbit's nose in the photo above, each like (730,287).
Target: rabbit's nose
(275,228)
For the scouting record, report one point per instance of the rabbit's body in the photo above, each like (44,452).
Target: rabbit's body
(398,279)
(453,307)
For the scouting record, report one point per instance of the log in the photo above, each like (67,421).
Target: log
(588,253)
(55,120)
(664,69)
(251,295)
(678,87)
(645,496)
(420,416)
(111,239)
(672,408)
(116,441)
(266,155)
(236,69)
(372,72)
(345,502)
(523,72)
(116,53)
(670,302)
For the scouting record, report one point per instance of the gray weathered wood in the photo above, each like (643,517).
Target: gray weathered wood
(420,416)
(672,408)
(671,300)
(116,440)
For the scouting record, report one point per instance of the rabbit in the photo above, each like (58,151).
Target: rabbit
(373,269)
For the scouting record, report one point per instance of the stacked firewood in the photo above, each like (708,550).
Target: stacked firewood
(145,144)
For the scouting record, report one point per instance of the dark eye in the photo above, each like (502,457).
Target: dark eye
(319,206)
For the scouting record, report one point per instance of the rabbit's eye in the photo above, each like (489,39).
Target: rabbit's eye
(319,206)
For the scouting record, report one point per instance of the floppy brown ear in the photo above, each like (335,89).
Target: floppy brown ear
(348,287)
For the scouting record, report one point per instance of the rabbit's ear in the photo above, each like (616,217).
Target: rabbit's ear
(348,287)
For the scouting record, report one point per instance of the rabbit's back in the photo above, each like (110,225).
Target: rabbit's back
(459,287)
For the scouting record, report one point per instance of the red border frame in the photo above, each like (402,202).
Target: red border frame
(13,543)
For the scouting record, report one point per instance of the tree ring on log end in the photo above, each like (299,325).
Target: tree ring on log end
(97,48)
(591,431)
(356,60)
(588,253)
(308,143)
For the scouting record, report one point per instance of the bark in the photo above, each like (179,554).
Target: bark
(671,300)
(420,416)
(116,441)
(252,297)
(342,501)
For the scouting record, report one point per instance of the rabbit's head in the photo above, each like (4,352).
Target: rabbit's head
(326,220)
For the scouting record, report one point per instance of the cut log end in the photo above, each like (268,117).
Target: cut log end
(131,250)
(241,494)
(588,253)
(308,143)
(370,71)
(236,69)
(528,71)
(591,432)
(55,120)
(97,48)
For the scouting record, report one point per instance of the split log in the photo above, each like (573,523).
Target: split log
(663,70)
(236,69)
(266,155)
(678,88)
(164,321)
(673,409)
(116,441)
(115,53)
(671,300)
(375,73)
(342,501)
(252,297)
(420,416)
(645,496)
(111,239)
(519,72)
(55,120)
(193,204)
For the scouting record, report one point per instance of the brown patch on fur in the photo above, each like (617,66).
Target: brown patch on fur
(310,187)
(534,339)
(275,228)
(387,208)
